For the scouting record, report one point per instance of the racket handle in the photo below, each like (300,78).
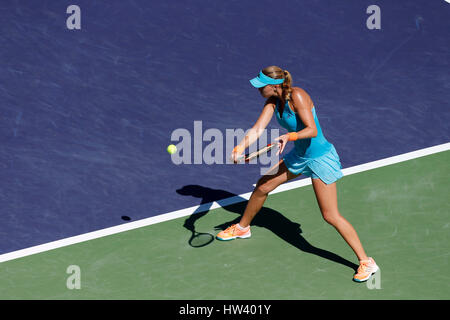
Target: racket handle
(240,158)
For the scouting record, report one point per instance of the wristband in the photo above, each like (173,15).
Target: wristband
(292,136)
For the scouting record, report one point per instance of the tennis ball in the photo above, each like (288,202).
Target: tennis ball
(171,149)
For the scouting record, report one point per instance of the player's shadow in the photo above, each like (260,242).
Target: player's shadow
(267,218)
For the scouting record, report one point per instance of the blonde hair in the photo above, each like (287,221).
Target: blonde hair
(278,73)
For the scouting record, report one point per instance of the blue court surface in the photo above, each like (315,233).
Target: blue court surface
(86,114)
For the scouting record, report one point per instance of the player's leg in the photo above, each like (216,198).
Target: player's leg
(327,199)
(276,175)
(326,196)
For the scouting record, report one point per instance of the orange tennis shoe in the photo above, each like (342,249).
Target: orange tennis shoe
(365,270)
(234,232)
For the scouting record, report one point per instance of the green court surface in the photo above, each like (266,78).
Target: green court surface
(400,211)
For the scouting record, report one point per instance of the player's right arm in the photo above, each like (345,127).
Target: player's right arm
(258,128)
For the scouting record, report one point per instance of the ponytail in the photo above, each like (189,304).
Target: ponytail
(287,86)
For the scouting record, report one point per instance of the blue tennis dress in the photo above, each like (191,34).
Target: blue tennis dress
(312,157)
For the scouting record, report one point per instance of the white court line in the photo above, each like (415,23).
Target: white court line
(209,206)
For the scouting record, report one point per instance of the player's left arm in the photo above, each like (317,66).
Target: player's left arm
(302,106)
(301,103)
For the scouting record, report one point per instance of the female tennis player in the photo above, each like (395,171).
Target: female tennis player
(312,156)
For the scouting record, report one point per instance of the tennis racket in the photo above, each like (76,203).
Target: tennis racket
(249,156)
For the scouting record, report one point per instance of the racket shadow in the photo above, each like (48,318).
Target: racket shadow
(268,218)
(207,196)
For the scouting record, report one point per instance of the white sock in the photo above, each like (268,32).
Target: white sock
(242,228)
